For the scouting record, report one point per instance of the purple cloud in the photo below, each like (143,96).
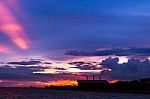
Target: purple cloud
(133,69)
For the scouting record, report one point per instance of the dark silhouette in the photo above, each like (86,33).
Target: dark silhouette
(93,84)
(141,85)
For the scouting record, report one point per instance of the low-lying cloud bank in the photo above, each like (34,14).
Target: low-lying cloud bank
(133,69)
(115,51)
(112,69)
(85,65)
(22,73)
(25,63)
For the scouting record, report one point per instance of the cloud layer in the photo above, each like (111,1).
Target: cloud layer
(133,69)
(22,73)
(85,66)
(109,52)
(25,63)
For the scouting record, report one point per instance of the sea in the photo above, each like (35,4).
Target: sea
(33,93)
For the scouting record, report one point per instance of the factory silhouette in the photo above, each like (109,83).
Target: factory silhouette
(95,84)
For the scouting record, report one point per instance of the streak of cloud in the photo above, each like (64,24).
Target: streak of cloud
(4,49)
(10,26)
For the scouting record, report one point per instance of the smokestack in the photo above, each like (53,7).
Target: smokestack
(87,78)
(93,77)
(100,77)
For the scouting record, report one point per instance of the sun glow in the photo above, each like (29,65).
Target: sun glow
(62,83)
(113,81)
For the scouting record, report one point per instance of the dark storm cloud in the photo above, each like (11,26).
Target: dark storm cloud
(77,63)
(84,66)
(25,63)
(133,69)
(47,63)
(116,52)
(60,68)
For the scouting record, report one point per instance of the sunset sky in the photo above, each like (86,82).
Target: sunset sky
(56,42)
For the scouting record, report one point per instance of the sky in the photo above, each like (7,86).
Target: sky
(56,42)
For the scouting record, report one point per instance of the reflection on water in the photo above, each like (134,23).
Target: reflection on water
(19,93)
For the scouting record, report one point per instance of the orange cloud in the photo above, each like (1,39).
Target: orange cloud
(10,26)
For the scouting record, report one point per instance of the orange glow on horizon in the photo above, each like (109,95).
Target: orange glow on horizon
(41,84)
(62,83)
(10,26)
(113,81)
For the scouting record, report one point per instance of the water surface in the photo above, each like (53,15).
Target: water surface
(18,93)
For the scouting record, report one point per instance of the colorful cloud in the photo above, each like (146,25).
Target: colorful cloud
(10,26)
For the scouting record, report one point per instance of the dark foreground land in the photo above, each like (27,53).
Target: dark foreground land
(141,86)
(35,93)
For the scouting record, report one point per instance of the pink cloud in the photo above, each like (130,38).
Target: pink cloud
(4,49)
(10,26)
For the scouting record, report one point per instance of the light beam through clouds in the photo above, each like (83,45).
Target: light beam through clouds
(10,26)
